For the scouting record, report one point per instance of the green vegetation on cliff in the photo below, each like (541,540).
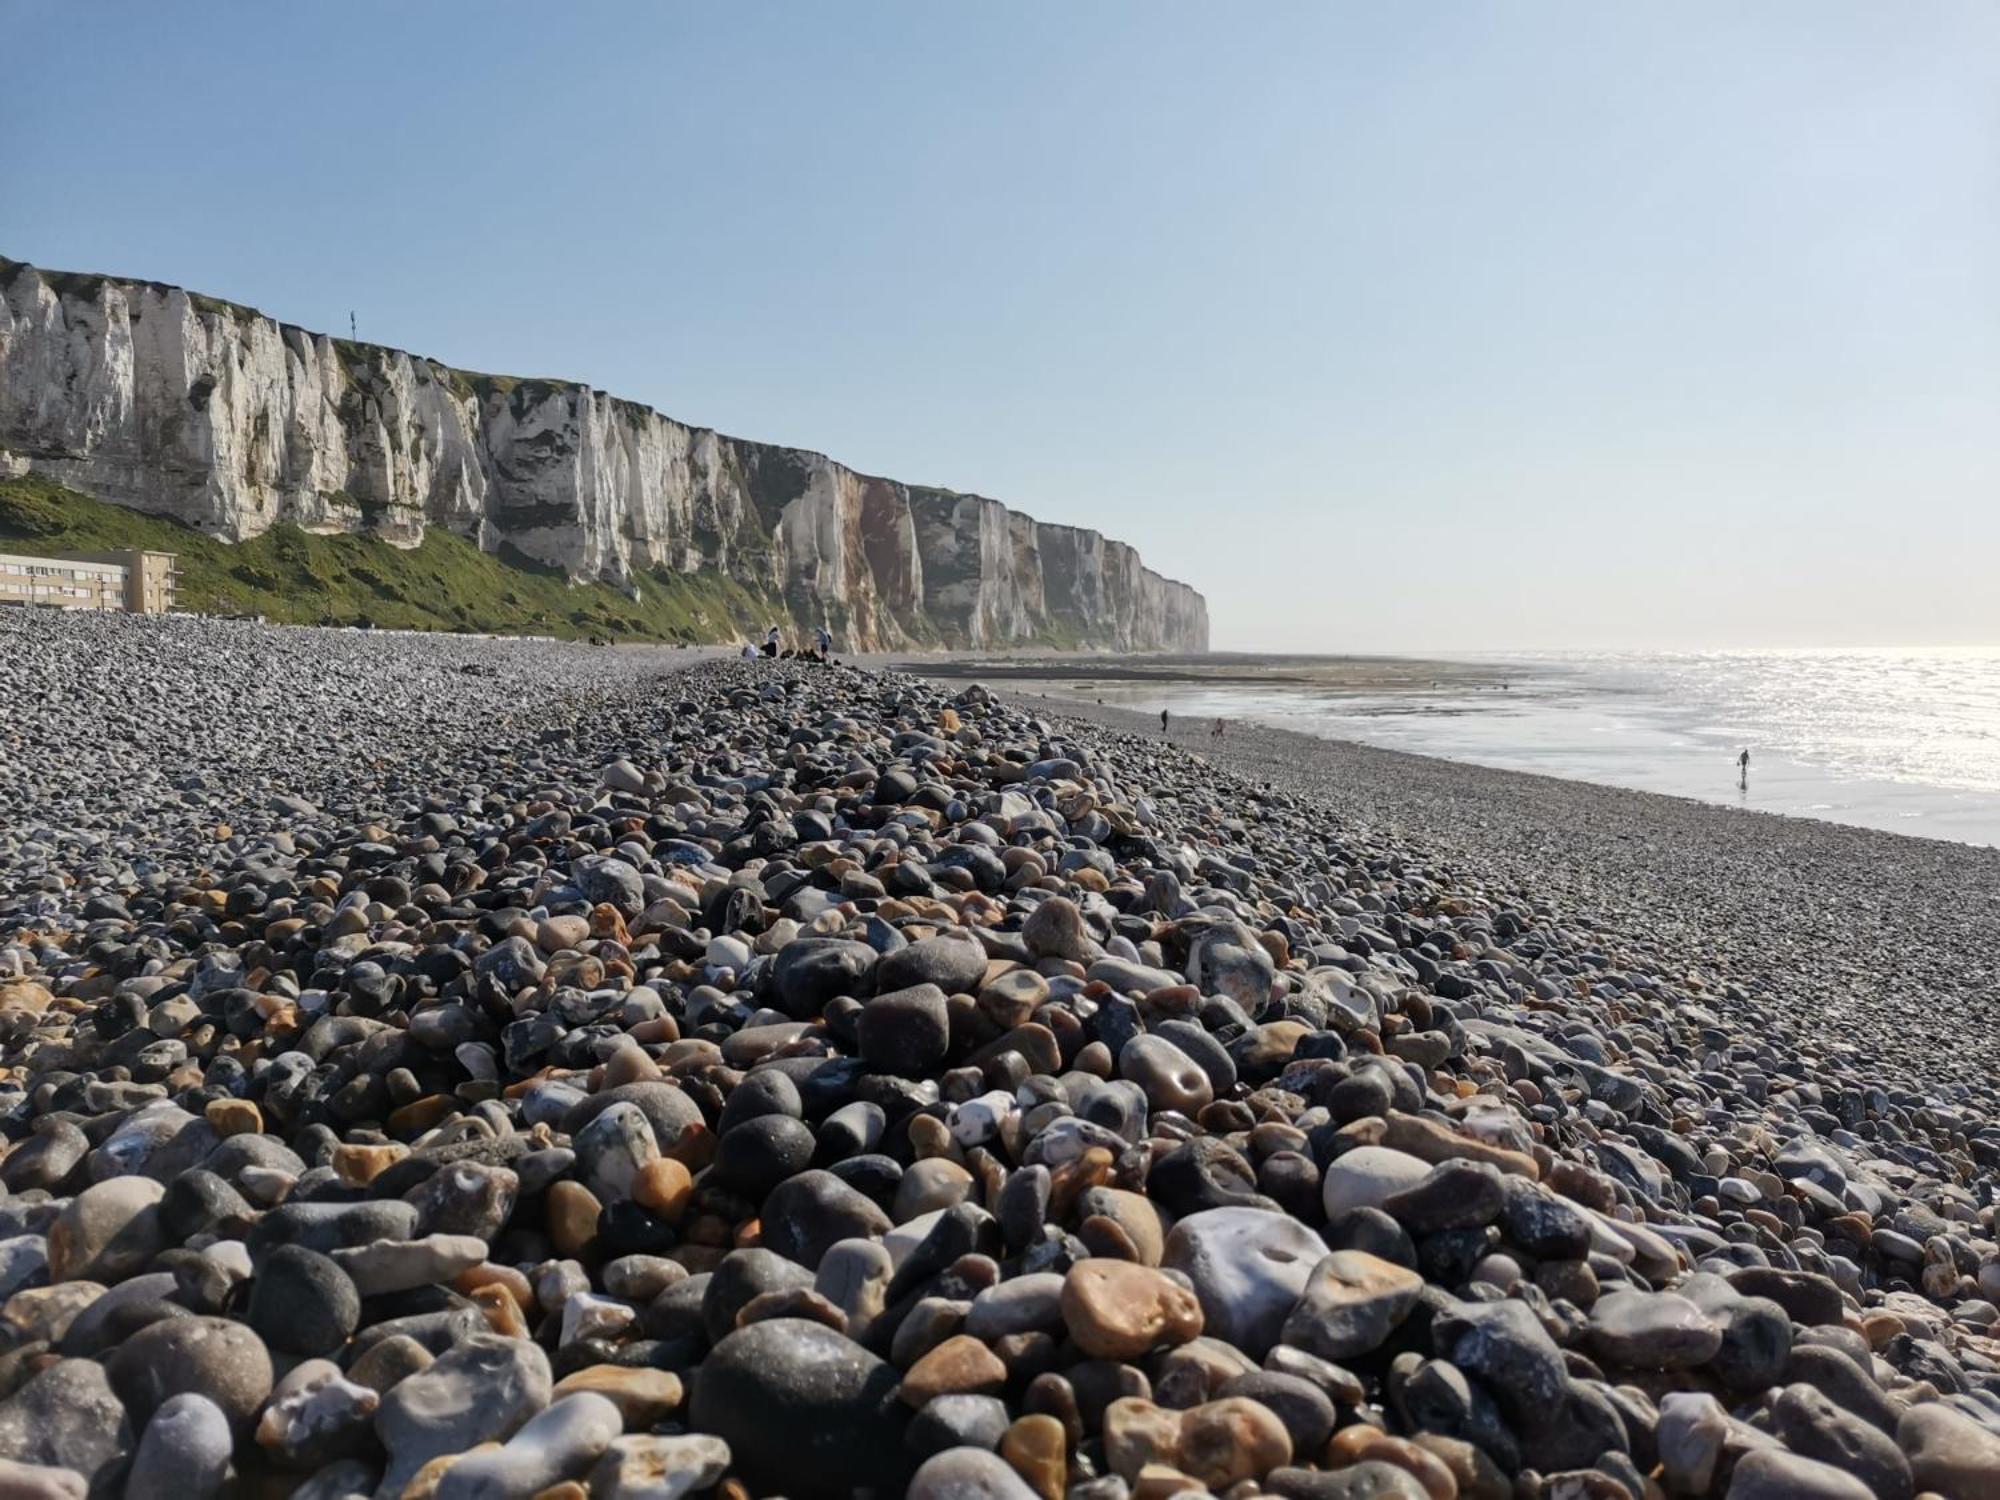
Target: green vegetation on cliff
(300,578)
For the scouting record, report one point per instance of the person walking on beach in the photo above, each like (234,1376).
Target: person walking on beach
(1743,770)
(1215,733)
(1163,721)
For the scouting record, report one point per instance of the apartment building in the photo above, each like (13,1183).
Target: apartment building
(139,582)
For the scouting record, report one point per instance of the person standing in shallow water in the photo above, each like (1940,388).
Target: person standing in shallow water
(1163,721)
(1743,770)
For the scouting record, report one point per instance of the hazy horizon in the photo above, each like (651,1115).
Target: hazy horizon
(1391,331)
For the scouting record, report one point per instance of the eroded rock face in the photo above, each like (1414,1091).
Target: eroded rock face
(147,396)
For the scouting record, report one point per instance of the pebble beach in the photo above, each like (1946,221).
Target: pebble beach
(434,1066)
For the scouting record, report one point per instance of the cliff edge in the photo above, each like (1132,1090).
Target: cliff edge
(180,405)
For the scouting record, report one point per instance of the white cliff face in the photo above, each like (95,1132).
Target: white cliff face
(150,397)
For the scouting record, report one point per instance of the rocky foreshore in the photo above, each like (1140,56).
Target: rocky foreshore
(461,1068)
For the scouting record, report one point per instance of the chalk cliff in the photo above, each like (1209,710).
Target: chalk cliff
(169,402)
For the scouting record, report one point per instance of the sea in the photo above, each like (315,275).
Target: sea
(1906,740)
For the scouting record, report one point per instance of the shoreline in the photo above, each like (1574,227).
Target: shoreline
(1784,904)
(1610,727)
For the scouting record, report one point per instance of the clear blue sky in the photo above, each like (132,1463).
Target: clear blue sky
(1391,327)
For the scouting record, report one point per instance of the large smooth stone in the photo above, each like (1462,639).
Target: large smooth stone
(1368,1176)
(107,1231)
(807,1412)
(1248,1266)
(955,965)
(1816,1427)
(185,1452)
(1351,1304)
(1777,1474)
(1652,1331)
(211,1357)
(1949,1452)
(968,1474)
(67,1416)
(481,1390)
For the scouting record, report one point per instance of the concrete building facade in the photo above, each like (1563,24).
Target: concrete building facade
(141,583)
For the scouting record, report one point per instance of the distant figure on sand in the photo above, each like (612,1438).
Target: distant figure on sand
(1215,733)
(1743,770)
(771,641)
(1163,721)
(825,639)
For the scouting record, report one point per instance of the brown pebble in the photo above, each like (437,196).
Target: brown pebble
(665,1187)
(961,1365)
(643,1396)
(1104,1239)
(792,1302)
(234,1117)
(507,1277)
(1360,1443)
(1880,1327)
(1052,1395)
(1138,1434)
(1038,1449)
(501,1311)
(1235,1438)
(1118,1309)
(388,1361)
(1429,1141)
(931,1137)
(1162,1482)
(1478,1476)
(572,1211)
(693,1148)
(359,1165)
(414,1119)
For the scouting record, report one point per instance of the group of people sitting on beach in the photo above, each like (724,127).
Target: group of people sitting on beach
(774,647)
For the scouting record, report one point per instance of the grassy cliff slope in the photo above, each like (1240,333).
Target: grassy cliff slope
(300,578)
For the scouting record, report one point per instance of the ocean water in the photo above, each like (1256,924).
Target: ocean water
(1902,740)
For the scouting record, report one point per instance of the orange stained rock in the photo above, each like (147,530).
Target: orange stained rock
(1138,1433)
(234,1117)
(643,1396)
(1360,1442)
(358,1165)
(693,1148)
(510,1280)
(1038,1449)
(1431,1142)
(664,1187)
(421,1114)
(501,1311)
(1118,1309)
(961,1365)
(572,1211)
(1223,1442)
